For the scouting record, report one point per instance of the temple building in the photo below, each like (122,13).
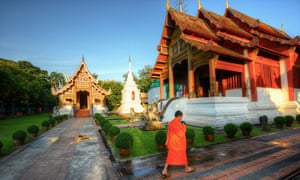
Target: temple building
(225,68)
(131,96)
(81,96)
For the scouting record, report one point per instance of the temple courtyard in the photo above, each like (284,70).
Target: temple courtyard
(59,154)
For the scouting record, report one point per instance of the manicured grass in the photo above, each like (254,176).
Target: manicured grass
(9,126)
(123,121)
(116,119)
(144,141)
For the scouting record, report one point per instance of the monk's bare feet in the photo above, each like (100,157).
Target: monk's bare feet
(165,174)
(189,169)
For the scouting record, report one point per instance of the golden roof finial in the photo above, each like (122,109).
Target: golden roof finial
(82,58)
(282,27)
(227,4)
(199,4)
(180,6)
(168,4)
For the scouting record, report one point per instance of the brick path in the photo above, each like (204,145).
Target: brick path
(271,156)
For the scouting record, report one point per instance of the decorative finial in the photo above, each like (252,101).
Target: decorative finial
(168,4)
(227,4)
(180,6)
(82,58)
(282,27)
(199,4)
(129,63)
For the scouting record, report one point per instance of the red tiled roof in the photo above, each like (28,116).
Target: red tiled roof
(256,24)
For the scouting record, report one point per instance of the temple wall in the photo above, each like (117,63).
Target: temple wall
(233,93)
(154,94)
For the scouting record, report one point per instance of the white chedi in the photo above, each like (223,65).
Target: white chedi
(131,98)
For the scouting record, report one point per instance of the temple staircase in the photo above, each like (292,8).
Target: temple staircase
(82,113)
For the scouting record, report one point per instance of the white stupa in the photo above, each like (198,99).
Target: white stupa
(131,99)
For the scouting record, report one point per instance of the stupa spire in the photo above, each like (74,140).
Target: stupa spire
(129,64)
(199,4)
(168,4)
(227,4)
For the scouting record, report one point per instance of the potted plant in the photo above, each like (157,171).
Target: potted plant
(106,127)
(45,125)
(190,135)
(298,118)
(52,122)
(160,139)
(209,133)
(279,122)
(124,141)
(1,146)
(113,132)
(246,128)
(33,131)
(230,130)
(19,137)
(289,120)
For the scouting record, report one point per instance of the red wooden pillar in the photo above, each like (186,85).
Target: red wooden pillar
(171,81)
(289,71)
(243,83)
(251,66)
(161,87)
(212,75)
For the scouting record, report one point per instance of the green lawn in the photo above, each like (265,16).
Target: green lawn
(9,126)
(144,141)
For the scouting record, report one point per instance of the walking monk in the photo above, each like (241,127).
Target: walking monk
(176,144)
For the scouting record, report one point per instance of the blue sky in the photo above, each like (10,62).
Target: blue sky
(54,34)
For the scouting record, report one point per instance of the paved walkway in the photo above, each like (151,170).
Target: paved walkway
(57,154)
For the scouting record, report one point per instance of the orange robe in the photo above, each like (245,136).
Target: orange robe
(176,143)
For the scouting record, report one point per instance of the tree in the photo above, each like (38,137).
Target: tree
(143,80)
(57,79)
(114,99)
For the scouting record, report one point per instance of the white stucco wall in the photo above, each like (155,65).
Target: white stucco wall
(234,93)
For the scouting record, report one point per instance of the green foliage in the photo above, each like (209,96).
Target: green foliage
(24,87)
(208,130)
(279,121)
(107,126)
(124,141)
(161,137)
(57,79)
(143,81)
(289,119)
(45,124)
(19,135)
(230,128)
(246,126)
(114,99)
(52,122)
(1,144)
(114,131)
(190,133)
(33,129)
(298,117)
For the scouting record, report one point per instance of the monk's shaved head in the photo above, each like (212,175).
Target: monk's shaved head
(178,113)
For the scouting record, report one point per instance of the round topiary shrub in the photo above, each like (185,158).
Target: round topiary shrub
(279,122)
(33,130)
(52,122)
(289,120)
(230,129)
(190,135)
(113,131)
(102,122)
(106,127)
(19,137)
(124,141)
(161,137)
(45,124)
(298,118)
(209,133)
(246,128)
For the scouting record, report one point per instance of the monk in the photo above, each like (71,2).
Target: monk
(176,144)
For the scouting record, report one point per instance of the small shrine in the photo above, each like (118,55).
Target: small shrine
(81,96)
(131,96)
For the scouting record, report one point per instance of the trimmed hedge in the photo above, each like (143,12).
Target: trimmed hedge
(124,141)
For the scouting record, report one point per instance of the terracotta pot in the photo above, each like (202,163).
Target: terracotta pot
(18,142)
(161,147)
(209,137)
(246,133)
(33,136)
(45,128)
(190,141)
(112,138)
(289,124)
(124,152)
(230,135)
